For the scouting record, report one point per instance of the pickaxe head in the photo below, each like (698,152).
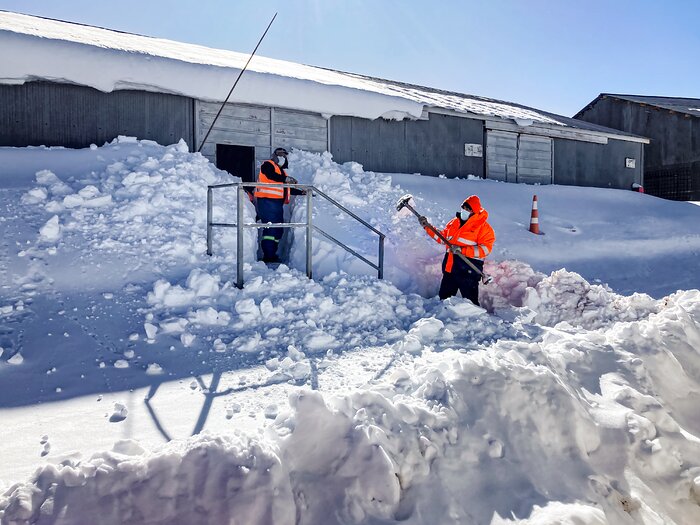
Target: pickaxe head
(401,203)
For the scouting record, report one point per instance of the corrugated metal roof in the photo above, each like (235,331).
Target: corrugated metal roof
(442,99)
(689,106)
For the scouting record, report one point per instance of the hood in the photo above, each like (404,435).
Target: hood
(474,203)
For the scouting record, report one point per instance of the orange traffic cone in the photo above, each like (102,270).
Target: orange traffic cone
(534,217)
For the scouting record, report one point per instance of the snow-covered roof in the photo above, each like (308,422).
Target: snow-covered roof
(47,49)
(689,106)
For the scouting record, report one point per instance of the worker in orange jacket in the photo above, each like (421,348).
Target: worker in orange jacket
(470,234)
(270,201)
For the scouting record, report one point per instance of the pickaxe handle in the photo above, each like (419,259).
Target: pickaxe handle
(486,278)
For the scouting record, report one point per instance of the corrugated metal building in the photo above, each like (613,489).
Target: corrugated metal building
(454,135)
(672,158)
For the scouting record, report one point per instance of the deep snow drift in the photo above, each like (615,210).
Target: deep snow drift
(345,399)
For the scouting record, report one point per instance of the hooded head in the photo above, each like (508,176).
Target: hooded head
(472,206)
(279,156)
(472,203)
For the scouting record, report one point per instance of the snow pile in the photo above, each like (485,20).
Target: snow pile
(515,429)
(344,399)
(151,204)
(281,309)
(232,476)
(567,297)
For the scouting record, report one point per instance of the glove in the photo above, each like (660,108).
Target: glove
(292,180)
(455,249)
(423,221)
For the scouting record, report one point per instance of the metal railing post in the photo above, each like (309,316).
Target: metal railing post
(380,272)
(308,225)
(309,232)
(239,238)
(209,219)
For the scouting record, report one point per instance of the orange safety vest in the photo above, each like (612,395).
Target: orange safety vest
(475,237)
(268,191)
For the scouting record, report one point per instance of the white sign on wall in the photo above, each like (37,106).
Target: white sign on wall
(473,150)
(630,163)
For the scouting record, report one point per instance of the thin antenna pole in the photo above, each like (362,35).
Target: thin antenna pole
(235,83)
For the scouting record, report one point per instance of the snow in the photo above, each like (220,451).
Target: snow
(73,53)
(570,397)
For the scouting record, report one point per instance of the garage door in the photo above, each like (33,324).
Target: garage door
(513,157)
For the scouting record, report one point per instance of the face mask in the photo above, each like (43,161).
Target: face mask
(464,214)
(281,161)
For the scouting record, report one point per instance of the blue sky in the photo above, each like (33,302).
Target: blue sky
(555,55)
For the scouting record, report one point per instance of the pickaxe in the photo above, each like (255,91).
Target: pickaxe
(403,203)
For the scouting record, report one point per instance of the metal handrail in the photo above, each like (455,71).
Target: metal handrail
(310,227)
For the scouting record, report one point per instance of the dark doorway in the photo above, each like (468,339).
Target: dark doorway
(237,160)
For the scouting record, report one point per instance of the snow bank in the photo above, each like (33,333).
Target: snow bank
(567,429)
(560,401)
(150,204)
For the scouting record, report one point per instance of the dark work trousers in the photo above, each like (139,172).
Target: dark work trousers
(270,210)
(461,278)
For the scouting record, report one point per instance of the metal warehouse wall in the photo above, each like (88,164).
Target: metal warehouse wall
(50,114)
(261,127)
(675,137)
(600,165)
(430,147)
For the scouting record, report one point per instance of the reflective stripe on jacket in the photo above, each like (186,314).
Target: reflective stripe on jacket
(268,191)
(475,237)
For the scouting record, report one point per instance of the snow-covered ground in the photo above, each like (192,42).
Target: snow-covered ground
(139,385)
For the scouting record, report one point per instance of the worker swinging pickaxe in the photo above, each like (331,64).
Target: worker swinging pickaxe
(403,203)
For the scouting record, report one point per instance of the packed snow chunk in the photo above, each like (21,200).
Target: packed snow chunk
(173,325)
(119,413)
(568,297)
(320,341)
(209,316)
(151,330)
(55,185)
(247,310)
(429,330)
(46,178)
(203,284)
(121,363)
(35,196)
(51,231)
(187,339)
(128,447)
(154,369)
(556,513)
(16,359)
(73,201)
(166,295)
(293,366)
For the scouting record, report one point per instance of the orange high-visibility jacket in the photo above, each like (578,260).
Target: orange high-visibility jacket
(271,192)
(475,237)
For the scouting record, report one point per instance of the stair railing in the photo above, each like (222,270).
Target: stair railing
(311,191)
